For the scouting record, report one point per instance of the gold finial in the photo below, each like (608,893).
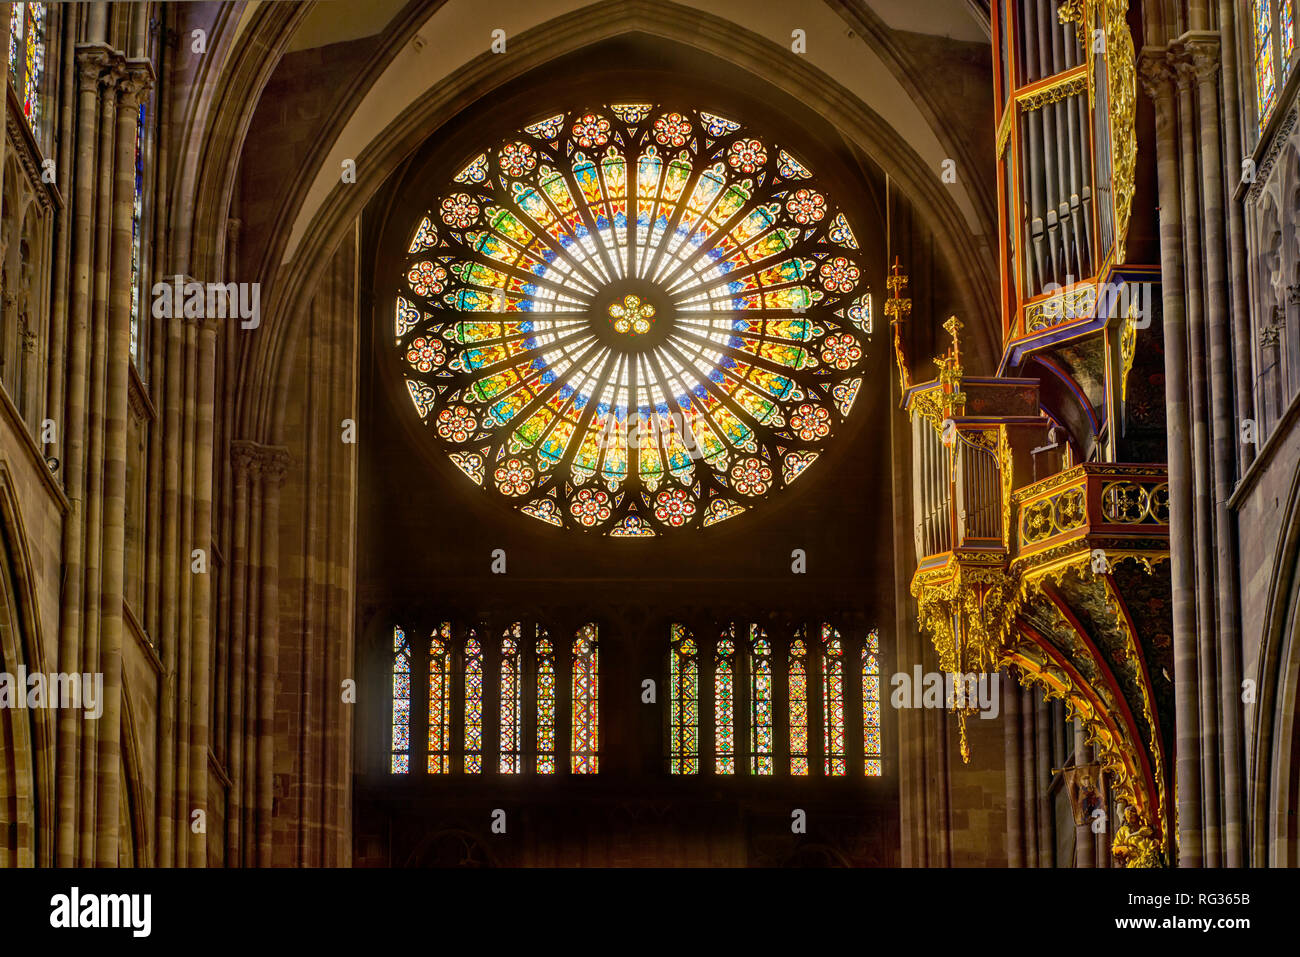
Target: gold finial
(950,368)
(898,309)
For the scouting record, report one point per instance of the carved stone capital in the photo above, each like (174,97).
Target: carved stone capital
(268,462)
(92,60)
(1156,75)
(1293,293)
(137,79)
(111,76)
(1268,337)
(1203,53)
(1184,68)
(274,465)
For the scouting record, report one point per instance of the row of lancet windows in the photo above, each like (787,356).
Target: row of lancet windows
(451,707)
(751,695)
(756,696)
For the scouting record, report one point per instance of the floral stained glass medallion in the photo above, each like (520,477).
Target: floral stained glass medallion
(632,319)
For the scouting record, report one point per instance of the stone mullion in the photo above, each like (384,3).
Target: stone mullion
(817,725)
(779,639)
(855,756)
(706,635)
(1156,77)
(90,63)
(96,458)
(562,641)
(491,646)
(456,689)
(742,703)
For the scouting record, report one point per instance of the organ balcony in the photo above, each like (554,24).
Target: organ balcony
(1052,570)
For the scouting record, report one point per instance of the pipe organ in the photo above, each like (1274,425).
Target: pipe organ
(1040,493)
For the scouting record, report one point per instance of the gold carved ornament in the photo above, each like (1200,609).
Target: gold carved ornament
(966,609)
(1052,92)
(1134,843)
(1121,74)
(898,309)
(1127,349)
(1078,302)
(1121,82)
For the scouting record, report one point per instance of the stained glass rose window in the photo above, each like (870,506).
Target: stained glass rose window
(633,319)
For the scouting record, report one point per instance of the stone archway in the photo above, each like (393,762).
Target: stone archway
(1275,778)
(25,752)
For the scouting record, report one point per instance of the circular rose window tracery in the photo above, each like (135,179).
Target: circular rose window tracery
(633,319)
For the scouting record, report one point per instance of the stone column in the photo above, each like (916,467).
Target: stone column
(172,566)
(1205,61)
(1043,761)
(1201,470)
(244,466)
(91,62)
(135,79)
(275,462)
(1156,77)
(200,685)
(1014,771)
(1029,777)
(96,459)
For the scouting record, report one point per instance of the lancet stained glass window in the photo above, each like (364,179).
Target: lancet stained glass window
(512,700)
(633,318)
(585,746)
(27,59)
(473,705)
(871,704)
(1265,83)
(440,700)
(1286,18)
(137,213)
(833,739)
(545,704)
(761,735)
(724,703)
(401,762)
(798,679)
(684,693)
